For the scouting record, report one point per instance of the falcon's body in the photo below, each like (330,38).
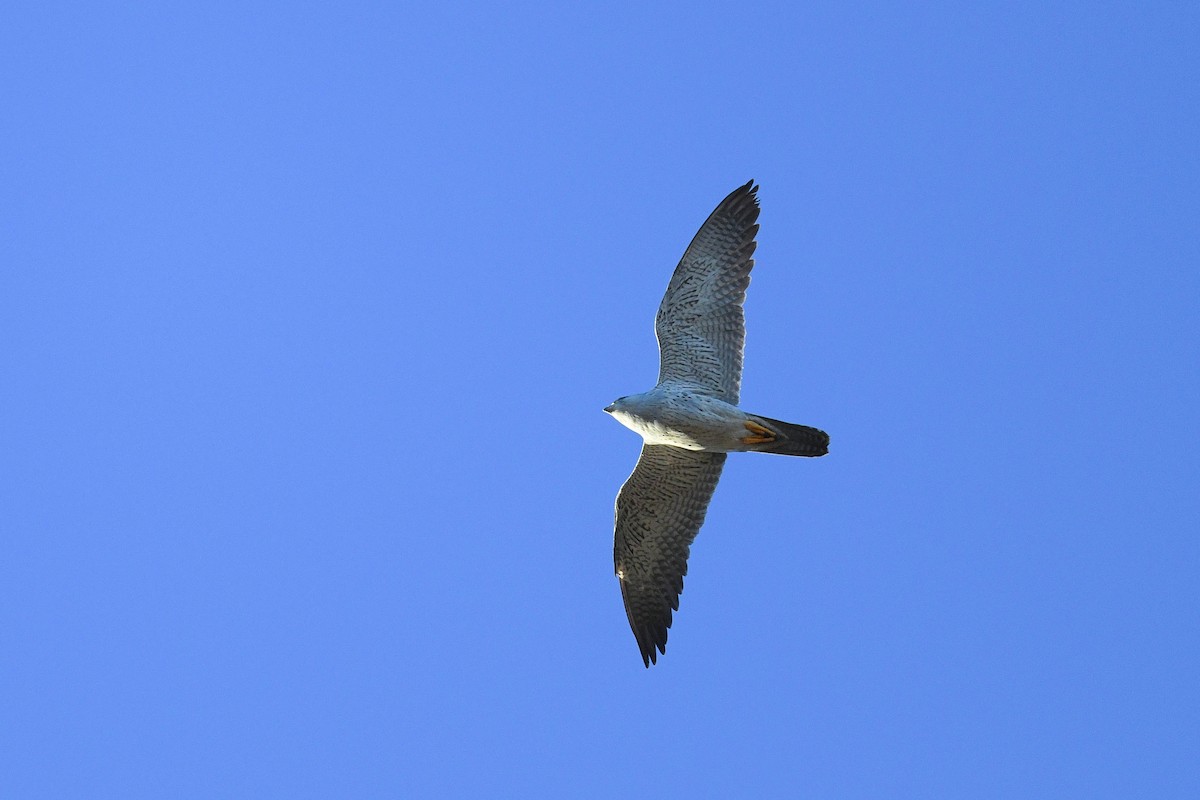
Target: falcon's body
(681,416)
(690,420)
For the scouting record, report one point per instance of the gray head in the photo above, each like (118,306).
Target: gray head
(630,404)
(616,405)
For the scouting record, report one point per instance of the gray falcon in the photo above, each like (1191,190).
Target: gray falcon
(690,420)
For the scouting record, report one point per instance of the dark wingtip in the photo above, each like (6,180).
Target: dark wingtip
(748,188)
(650,634)
(650,655)
(741,202)
(650,646)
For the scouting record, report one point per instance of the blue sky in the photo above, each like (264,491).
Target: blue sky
(309,313)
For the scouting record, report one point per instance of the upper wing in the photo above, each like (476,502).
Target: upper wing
(659,511)
(700,325)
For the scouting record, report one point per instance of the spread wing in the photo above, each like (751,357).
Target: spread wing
(700,324)
(659,511)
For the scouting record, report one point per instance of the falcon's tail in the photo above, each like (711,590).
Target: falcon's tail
(791,440)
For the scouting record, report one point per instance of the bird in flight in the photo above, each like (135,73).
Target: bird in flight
(690,420)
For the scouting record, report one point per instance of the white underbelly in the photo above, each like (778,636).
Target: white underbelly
(714,433)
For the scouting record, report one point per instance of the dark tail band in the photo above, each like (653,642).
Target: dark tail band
(793,440)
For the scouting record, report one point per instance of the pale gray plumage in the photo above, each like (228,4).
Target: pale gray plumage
(700,324)
(690,420)
(659,511)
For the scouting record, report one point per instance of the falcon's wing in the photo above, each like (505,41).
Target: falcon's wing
(659,511)
(700,324)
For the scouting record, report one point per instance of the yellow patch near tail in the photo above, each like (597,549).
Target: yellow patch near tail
(758,434)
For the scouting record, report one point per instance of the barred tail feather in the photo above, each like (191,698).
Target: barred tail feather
(792,440)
